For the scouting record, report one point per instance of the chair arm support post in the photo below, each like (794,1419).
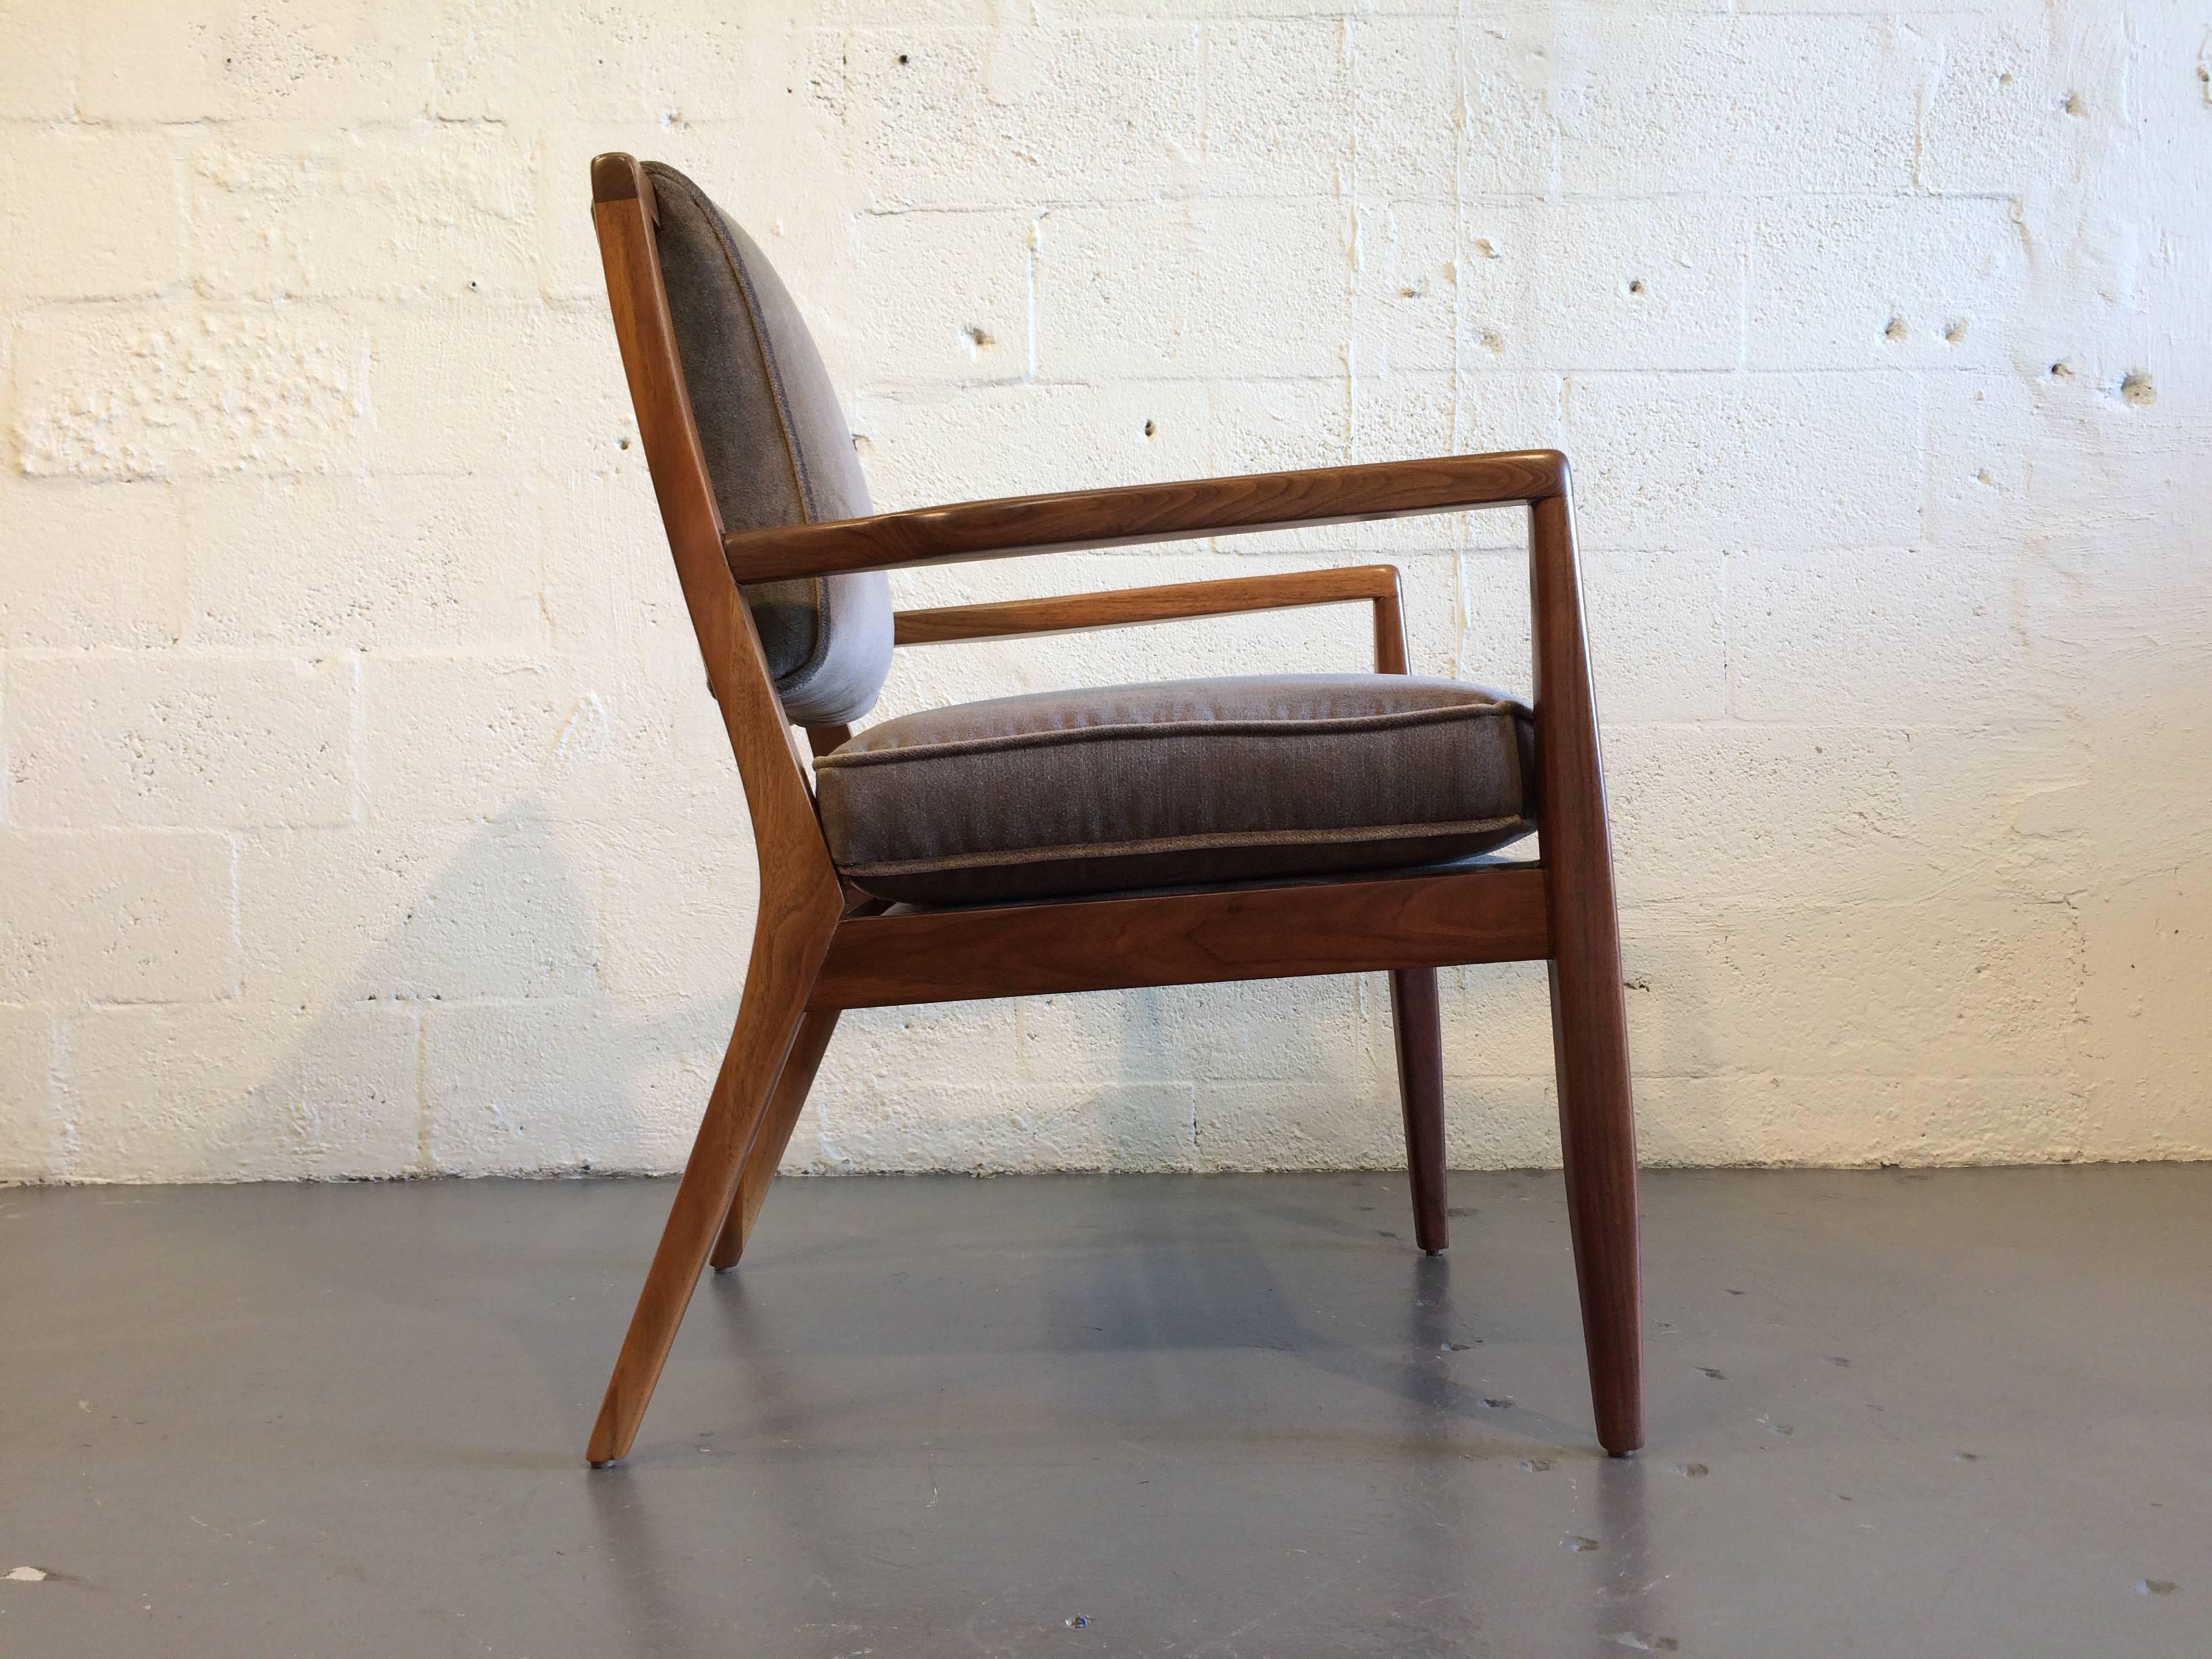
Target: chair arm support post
(1569,771)
(1390,657)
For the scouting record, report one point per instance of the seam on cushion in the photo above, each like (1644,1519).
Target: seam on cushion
(801,474)
(1294,726)
(1063,852)
(792,455)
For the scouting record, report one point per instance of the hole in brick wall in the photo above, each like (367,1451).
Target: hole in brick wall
(1895,330)
(1482,246)
(1954,332)
(903,59)
(1150,428)
(2074,105)
(1493,341)
(977,337)
(2061,370)
(2138,390)
(1636,285)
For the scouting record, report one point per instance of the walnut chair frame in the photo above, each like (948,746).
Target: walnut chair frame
(819,947)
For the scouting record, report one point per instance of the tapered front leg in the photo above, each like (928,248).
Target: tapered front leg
(786,954)
(1597,1136)
(1417,1022)
(1590,1027)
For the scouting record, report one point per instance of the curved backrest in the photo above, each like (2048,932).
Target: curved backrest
(777,449)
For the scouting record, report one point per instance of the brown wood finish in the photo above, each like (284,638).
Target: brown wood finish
(1417,1023)
(798,910)
(1076,613)
(1390,628)
(1589,1024)
(818,948)
(1204,937)
(785,1103)
(767,1020)
(1146,512)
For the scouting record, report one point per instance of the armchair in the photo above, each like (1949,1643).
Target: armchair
(1199,832)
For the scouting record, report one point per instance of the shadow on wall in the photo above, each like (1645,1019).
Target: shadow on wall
(1282,1074)
(482,1033)
(1174,1079)
(478,1035)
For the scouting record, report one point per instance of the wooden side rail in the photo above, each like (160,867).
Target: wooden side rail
(1075,613)
(1493,912)
(1146,512)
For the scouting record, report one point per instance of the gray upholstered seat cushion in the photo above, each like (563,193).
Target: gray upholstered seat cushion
(1191,782)
(777,448)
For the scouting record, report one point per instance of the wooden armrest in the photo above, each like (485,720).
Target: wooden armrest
(1146,512)
(1074,612)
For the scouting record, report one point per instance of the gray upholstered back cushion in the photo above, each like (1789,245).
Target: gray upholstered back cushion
(778,450)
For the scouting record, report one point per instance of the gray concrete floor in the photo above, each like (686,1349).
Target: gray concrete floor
(1955,1413)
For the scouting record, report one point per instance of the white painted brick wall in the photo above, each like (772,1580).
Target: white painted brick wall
(361,809)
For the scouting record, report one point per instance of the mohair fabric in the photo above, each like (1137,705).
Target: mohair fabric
(1185,782)
(777,447)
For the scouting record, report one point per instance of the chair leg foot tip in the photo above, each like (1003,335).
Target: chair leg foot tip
(603,1463)
(1439,1250)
